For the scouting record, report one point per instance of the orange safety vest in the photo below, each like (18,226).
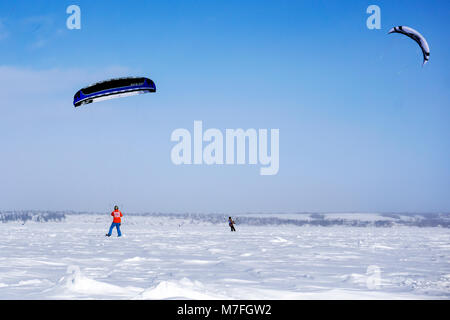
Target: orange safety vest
(117,214)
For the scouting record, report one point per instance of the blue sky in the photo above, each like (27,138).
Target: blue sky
(363,126)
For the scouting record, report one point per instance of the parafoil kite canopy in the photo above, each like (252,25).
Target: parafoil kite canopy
(113,88)
(417,37)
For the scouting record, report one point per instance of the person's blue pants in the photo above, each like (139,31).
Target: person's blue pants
(117,225)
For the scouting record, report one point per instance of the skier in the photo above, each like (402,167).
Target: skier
(231,224)
(116,221)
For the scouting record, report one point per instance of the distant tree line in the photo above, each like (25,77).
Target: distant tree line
(37,216)
(315,219)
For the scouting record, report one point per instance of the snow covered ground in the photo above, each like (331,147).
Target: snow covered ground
(164,257)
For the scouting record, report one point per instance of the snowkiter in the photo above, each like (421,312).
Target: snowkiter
(231,224)
(116,214)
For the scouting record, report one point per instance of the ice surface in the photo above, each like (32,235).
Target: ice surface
(166,257)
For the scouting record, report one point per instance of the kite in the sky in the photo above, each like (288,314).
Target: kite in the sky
(417,37)
(114,88)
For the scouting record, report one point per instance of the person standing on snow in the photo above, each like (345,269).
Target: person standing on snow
(116,221)
(231,224)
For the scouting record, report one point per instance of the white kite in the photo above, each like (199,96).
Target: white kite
(417,37)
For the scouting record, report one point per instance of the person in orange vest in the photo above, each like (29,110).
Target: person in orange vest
(116,221)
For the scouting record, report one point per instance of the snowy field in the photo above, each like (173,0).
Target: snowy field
(163,257)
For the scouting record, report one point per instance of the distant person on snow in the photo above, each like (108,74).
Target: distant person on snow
(116,221)
(231,224)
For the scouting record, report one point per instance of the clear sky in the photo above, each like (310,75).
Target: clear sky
(363,126)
